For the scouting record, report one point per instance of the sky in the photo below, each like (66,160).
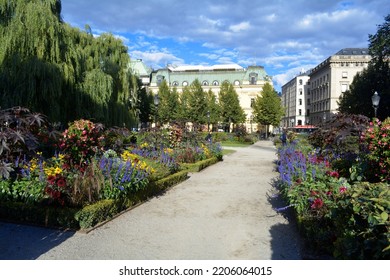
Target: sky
(286,37)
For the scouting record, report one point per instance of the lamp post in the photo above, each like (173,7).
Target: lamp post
(324,117)
(375,102)
(208,121)
(251,121)
(156,100)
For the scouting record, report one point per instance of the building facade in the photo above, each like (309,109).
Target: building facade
(247,82)
(331,78)
(296,101)
(312,98)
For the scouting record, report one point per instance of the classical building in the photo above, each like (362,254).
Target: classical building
(248,82)
(296,101)
(331,78)
(139,68)
(315,99)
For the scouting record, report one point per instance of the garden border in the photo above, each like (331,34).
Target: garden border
(92,216)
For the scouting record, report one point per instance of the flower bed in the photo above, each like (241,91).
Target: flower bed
(88,174)
(341,216)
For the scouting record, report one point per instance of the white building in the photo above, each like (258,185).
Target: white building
(296,101)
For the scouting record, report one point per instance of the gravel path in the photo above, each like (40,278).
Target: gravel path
(223,212)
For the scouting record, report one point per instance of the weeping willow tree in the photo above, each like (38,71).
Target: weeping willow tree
(61,71)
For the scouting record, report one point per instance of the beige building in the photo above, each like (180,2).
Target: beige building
(331,78)
(311,98)
(248,82)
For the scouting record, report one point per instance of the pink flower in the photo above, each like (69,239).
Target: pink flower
(343,189)
(317,203)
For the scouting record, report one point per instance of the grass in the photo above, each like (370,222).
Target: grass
(227,151)
(234,144)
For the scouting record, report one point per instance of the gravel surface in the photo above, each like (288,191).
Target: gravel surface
(223,212)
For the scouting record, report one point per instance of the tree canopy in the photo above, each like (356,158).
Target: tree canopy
(376,77)
(231,111)
(63,72)
(267,108)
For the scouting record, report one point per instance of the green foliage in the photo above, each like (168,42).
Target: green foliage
(362,222)
(231,111)
(98,212)
(267,108)
(377,137)
(80,142)
(67,73)
(374,78)
(169,103)
(350,221)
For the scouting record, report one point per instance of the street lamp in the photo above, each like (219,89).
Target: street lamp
(156,100)
(324,117)
(375,102)
(208,121)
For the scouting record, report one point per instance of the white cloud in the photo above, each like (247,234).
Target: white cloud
(156,59)
(242,26)
(283,36)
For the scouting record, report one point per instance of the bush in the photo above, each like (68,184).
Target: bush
(348,221)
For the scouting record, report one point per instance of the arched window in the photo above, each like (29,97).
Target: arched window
(185,83)
(215,83)
(236,82)
(205,83)
(175,84)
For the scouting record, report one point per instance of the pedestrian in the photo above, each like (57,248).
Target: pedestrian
(283,137)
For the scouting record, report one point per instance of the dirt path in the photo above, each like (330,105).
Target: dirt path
(222,212)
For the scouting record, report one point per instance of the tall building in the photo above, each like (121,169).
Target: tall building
(311,98)
(247,82)
(296,101)
(331,78)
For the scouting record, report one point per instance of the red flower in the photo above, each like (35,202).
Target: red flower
(51,179)
(317,203)
(343,189)
(61,183)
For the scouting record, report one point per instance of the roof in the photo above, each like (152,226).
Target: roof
(353,51)
(190,68)
(139,68)
(210,75)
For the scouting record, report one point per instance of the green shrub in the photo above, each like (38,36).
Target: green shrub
(98,212)
(362,222)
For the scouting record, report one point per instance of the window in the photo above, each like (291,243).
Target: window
(300,91)
(205,83)
(300,81)
(159,79)
(300,112)
(175,83)
(252,78)
(344,87)
(215,83)
(236,82)
(185,83)
(308,101)
(344,74)
(252,102)
(300,101)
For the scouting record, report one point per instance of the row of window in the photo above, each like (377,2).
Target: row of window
(252,81)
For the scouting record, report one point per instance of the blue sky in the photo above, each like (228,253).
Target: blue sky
(284,36)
